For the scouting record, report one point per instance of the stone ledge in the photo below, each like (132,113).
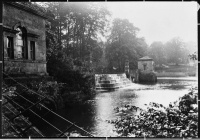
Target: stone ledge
(25,61)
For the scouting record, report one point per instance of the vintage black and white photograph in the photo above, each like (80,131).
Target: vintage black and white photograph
(100,69)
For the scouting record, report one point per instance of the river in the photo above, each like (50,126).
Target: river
(93,114)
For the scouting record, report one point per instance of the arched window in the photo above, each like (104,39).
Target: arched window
(21,43)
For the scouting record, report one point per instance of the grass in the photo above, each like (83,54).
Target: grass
(176,71)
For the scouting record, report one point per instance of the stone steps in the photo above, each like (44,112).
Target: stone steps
(110,82)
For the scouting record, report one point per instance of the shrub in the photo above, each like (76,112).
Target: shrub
(77,77)
(49,89)
(179,119)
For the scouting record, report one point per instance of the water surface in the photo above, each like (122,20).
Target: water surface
(92,115)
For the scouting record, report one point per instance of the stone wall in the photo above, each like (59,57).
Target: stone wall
(34,24)
(145,77)
(24,67)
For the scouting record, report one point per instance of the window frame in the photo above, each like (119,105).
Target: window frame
(32,50)
(10,47)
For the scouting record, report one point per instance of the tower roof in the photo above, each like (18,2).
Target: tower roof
(145,58)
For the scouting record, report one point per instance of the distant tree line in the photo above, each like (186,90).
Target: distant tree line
(174,51)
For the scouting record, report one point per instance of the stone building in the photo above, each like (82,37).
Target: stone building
(145,72)
(24,39)
(146,64)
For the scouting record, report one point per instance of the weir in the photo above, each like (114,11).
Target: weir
(109,82)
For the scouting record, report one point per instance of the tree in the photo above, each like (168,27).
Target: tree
(124,45)
(78,26)
(75,29)
(156,52)
(175,51)
(72,43)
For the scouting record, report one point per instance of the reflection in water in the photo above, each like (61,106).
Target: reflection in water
(92,116)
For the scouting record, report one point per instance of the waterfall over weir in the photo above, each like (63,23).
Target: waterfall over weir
(109,82)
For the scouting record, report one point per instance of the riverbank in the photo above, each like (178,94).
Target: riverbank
(173,74)
(176,71)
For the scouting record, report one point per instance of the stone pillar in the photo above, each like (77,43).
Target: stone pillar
(127,69)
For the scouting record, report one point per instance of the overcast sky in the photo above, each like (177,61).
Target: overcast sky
(159,21)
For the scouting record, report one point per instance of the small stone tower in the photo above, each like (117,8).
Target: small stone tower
(146,64)
(145,71)
(127,68)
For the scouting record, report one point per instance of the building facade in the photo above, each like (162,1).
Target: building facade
(146,64)
(24,39)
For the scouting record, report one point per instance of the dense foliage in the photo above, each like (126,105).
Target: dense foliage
(179,119)
(35,91)
(156,52)
(73,46)
(77,27)
(123,44)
